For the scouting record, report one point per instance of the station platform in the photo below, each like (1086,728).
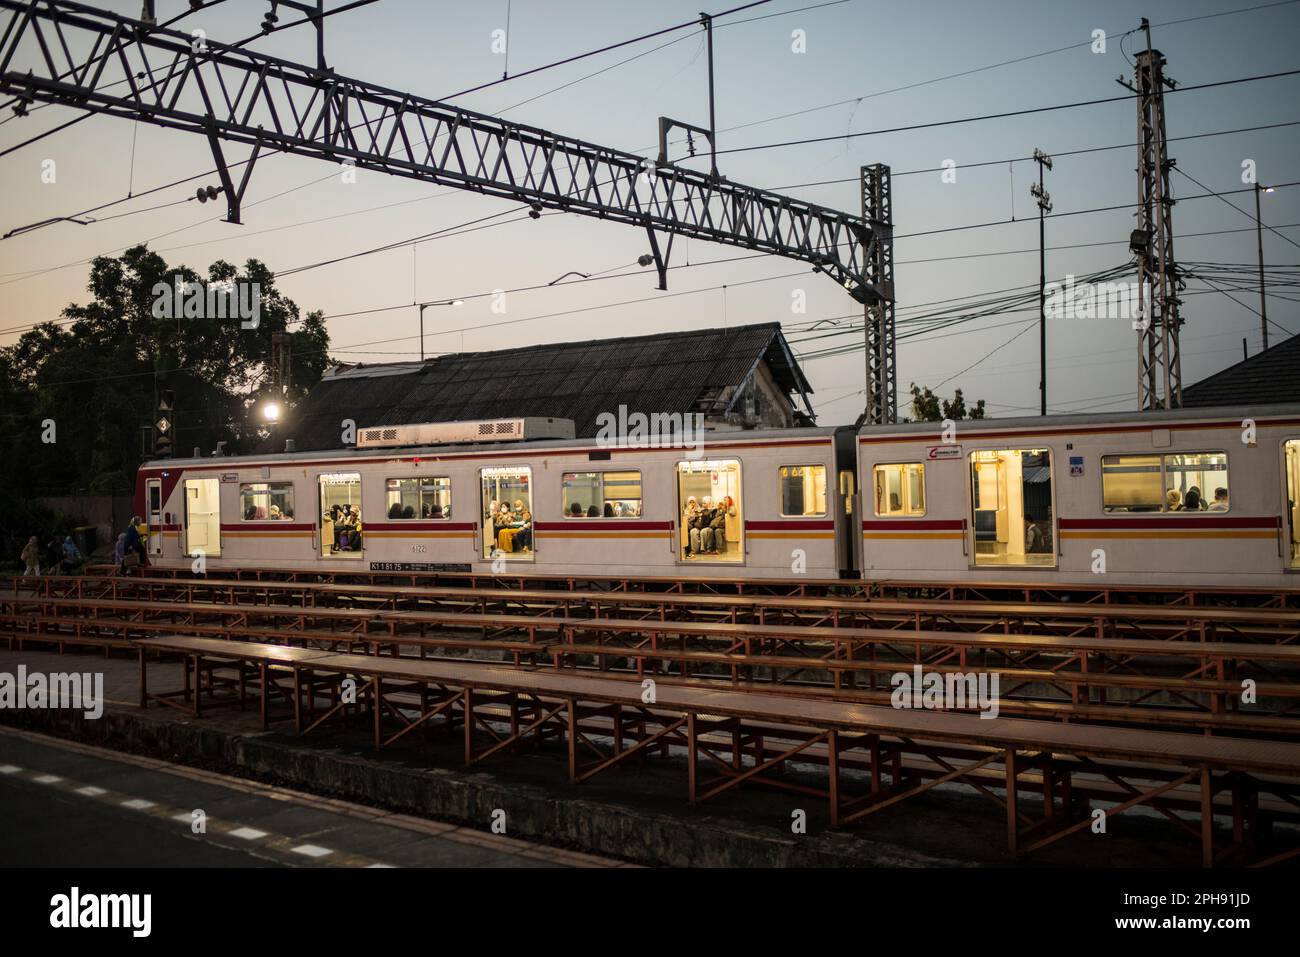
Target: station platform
(648,823)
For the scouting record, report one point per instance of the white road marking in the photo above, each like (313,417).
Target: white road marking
(91,791)
(248,833)
(9,769)
(138,804)
(48,779)
(312,850)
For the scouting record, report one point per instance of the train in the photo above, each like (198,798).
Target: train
(1166,498)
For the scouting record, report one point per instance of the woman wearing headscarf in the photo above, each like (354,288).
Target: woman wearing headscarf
(689,514)
(31,556)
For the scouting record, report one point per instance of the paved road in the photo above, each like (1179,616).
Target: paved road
(70,805)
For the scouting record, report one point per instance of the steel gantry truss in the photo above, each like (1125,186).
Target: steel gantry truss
(75,55)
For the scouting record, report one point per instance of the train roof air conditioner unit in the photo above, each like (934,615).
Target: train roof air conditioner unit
(453,433)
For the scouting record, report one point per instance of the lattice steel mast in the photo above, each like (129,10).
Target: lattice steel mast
(1159,372)
(878,312)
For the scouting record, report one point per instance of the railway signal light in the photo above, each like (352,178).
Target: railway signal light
(163,425)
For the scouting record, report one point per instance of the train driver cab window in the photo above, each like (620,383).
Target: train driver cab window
(709,503)
(266,502)
(601,495)
(1011,498)
(803,490)
(507,510)
(899,489)
(342,534)
(418,498)
(1291,457)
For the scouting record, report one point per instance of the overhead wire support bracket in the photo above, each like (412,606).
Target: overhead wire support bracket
(239,95)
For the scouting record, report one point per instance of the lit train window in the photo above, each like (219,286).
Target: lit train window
(709,503)
(1179,482)
(601,494)
(1199,478)
(418,498)
(803,490)
(900,489)
(266,502)
(1011,501)
(507,510)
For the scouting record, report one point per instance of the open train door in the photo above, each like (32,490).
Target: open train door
(153,514)
(1291,520)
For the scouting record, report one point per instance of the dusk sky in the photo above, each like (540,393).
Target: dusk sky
(867,66)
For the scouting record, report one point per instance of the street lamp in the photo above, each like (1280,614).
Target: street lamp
(1259,238)
(425,305)
(271,411)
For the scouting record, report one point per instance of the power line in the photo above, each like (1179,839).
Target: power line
(1123,98)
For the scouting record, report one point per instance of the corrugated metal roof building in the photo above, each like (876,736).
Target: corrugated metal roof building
(738,377)
(1266,378)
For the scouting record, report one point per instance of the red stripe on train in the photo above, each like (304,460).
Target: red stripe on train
(917,524)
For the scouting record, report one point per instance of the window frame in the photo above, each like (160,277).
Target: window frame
(602,472)
(416,478)
(924,487)
(826,495)
(268,520)
(1162,455)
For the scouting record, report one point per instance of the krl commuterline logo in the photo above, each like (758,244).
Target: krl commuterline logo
(954,691)
(59,689)
(74,910)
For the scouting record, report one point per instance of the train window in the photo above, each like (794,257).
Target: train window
(803,490)
(266,502)
(601,494)
(418,498)
(900,489)
(507,509)
(1011,498)
(342,534)
(1179,482)
(1131,483)
(1198,479)
(709,502)
(1291,455)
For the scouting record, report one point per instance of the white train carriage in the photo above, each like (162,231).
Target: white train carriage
(576,507)
(1188,497)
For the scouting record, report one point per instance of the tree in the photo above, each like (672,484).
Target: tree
(928,407)
(96,376)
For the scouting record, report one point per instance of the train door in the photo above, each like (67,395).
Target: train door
(202,517)
(506,507)
(153,514)
(711,507)
(342,528)
(1291,460)
(1012,507)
